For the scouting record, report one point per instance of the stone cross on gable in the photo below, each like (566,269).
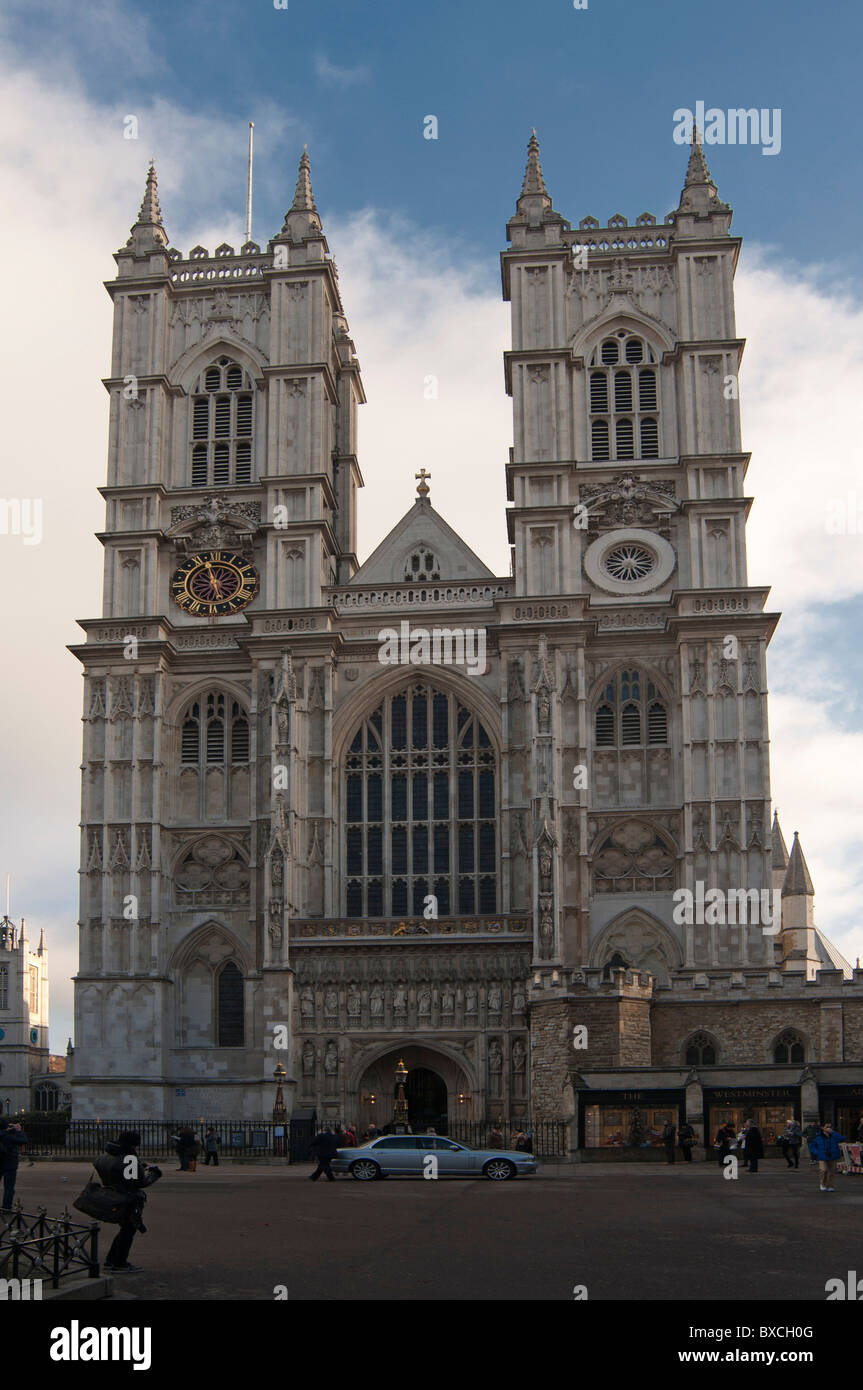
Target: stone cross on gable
(423,489)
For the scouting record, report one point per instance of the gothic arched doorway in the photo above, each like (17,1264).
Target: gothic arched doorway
(426,1096)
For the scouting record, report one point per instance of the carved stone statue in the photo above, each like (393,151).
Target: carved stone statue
(495,1056)
(470,1000)
(447,1000)
(519,1056)
(494,1000)
(518,1000)
(307,1003)
(400,1000)
(424,1001)
(354,1004)
(543,710)
(331,1002)
(377,1003)
(308,1059)
(331,1059)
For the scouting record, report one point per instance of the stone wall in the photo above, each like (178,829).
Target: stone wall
(551,1057)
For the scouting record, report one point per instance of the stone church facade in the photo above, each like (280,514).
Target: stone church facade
(293,850)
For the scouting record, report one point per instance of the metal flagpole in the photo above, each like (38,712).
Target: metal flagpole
(249,187)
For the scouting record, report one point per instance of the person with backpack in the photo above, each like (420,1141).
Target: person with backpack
(753,1145)
(121,1170)
(187,1148)
(12,1139)
(825,1148)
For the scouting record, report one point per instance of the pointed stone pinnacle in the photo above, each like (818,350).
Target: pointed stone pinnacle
(697,170)
(533,179)
(798,881)
(304,198)
(150,214)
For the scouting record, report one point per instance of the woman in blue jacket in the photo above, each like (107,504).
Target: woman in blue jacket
(825,1147)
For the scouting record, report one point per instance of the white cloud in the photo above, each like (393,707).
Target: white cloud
(333,75)
(418,309)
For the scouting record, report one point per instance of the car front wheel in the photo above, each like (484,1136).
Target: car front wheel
(364,1170)
(499,1169)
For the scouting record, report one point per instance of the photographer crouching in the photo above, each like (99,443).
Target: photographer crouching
(121,1170)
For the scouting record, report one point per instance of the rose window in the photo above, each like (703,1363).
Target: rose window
(629,562)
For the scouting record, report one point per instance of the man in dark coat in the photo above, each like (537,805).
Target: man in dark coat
(686,1140)
(12,1138)
(753,1145)
(668,1134)
(122,1170)
(324,1146)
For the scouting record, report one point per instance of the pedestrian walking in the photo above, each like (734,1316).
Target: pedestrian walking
(121,1170)
(789,1143)
(350,1138)
(324,1146)
(686,1138)
(520,1143)
(725,1142)
(753,1145)
(825,1148)
(495,1138)
(809,1134)
(211,1148)
(668,1135)
(12,1140)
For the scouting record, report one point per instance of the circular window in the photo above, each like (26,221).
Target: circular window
(629,561)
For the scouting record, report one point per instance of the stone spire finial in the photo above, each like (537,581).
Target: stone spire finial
(302,222)
(533,177)
(304,198)
(778,845)
(149,230)
(798,881)
(699,193)
(150,214)
(423,488)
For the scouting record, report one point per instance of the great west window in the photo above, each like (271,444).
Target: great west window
(420,809)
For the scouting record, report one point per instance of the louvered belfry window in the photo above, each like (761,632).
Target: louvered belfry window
(631,713)
(222,426)
(623,402)
(420,809)
(214,731)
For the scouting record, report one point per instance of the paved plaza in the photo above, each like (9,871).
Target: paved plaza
(624,1231)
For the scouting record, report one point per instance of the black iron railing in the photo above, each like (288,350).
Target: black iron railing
(47,1248)
(87,1138)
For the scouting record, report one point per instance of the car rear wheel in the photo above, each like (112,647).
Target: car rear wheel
(499,1169)
(365,1170)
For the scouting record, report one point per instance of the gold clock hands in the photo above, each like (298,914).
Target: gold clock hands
(214,579)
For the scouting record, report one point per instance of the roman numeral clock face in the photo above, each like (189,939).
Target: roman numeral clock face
(214,583)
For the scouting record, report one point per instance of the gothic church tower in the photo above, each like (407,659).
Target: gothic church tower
(232,481)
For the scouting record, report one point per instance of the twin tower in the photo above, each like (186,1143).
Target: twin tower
(398,861)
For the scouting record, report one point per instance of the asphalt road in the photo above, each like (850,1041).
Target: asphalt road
(623,1231)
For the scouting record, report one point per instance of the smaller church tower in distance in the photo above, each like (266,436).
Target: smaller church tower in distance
(23,1015)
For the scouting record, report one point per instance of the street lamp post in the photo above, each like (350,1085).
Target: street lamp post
(280,1114)
(400,1108)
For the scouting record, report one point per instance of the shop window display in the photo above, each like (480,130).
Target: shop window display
(634,1127)
(770,1119)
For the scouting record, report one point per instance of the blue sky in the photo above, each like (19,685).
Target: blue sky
(416,227)
(600,85)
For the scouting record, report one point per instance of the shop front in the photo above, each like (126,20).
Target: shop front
(770,1107)
(612,1123)
(843,1107)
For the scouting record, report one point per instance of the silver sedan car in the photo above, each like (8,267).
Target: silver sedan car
(425,1155)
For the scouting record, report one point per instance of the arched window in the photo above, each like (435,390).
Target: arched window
(420,809)
(47,1097)
(631,713)
(4,986)
(222,426)
(700,1051)
(623,401)
(231,1030)
(203,739)
(789,1047)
